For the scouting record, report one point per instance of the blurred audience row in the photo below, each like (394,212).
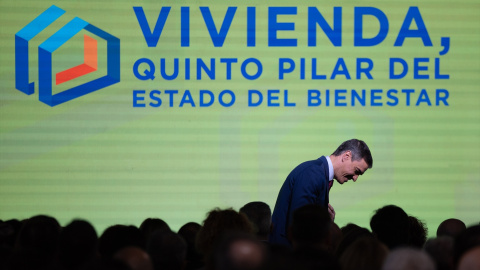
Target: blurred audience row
(231,240)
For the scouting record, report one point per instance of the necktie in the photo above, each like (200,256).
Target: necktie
(330,184)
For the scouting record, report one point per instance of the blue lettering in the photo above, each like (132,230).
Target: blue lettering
(136,98)
(244,69)
(358,39)
(286,104)
(187,98)
(315,76)
(314,98)
(417,68)
(437,71)
(392,94)
(343,71)
(375,97)
(250,98)
(148,74)
(274,27)
(365,70)
(251,26)
(360,99)
(218,38)
(339,98)
(187,69)
(202,66)
(164,73)
(156,98)
(202,102)
(302,68)
(334,34)
(282,69)
(171,93)
(413,14)
(271,98)
(404,64)
(228,62)
(185,26)
(441,95)
(407,95)
(232,98)
(151,37)
(423,97)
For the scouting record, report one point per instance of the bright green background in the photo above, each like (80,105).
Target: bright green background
(98,158)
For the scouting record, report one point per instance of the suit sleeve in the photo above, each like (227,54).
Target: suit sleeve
(309,188)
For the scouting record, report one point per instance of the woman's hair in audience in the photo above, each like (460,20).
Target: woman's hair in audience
(418,232)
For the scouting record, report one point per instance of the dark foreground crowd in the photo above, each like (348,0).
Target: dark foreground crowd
(231,240)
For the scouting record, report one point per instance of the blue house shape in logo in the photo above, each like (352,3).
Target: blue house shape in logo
(48,47)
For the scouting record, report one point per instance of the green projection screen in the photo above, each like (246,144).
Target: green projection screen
(118,112)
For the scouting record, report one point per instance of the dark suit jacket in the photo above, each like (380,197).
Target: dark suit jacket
(306,184)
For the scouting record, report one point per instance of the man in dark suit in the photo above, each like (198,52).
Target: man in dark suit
(310,183)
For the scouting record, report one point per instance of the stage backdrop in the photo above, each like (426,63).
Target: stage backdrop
(115,112)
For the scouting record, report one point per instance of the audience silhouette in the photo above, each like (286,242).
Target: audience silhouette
(231,240)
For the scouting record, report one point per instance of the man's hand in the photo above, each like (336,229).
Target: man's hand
(331,211)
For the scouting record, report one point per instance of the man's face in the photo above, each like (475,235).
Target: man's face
(350,170)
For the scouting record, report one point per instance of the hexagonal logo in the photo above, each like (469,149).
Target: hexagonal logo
(47,49)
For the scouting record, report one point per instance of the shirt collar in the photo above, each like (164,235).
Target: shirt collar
(330,168)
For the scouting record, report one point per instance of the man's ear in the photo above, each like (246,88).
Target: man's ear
(347,155)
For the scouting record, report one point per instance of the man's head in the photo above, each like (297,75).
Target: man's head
(451,227)
(351,159)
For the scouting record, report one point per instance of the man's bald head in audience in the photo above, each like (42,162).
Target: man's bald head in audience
(451,227)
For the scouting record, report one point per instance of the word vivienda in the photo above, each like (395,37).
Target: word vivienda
(315,18)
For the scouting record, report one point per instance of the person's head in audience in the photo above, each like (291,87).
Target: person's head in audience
(135,258)
(311,225)
(37,242)
(466,240)
(390,225)
(117,237)
(167,250)
(440,250)
(418,232)
(216,224)
(451,227)
(260,215)
(189,233)
(239,251)
(78,244)
(407,258)
(150,225)
(470,260)
(366,253)
(350,233)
